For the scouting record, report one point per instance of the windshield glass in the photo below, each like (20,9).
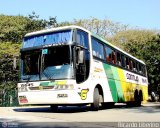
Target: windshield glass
(30,65)
(48,39)
(57,63)
(45,64)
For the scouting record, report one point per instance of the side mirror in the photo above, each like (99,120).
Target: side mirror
(80,56)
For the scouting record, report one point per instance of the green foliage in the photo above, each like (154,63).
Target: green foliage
(151,55)
(131,36)
(9,48)
(104,28)
(13,28)
(8,76)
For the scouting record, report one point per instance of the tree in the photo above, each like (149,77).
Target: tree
(8,75)
(13,28)
(104,28)
(151,55)
(125,39)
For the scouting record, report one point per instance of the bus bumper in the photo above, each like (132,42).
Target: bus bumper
(52,97)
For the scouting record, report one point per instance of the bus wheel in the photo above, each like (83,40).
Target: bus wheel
(138,98)
(96,101)
(54,107)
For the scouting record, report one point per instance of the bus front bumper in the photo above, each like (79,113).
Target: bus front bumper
(51,97)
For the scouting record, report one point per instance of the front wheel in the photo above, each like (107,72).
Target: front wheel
(96,100)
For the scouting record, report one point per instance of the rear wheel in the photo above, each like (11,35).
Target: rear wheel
(138,98)
(96,100)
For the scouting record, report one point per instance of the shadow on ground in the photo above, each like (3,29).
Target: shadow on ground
(146,108)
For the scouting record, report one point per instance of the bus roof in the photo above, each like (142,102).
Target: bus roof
(49,30)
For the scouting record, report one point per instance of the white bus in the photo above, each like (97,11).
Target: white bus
(72,66)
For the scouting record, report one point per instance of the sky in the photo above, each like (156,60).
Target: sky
(143,14)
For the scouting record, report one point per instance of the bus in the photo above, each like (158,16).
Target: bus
(72,66)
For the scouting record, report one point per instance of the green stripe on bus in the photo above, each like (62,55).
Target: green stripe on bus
(114,83)
(111,81)
(118,84)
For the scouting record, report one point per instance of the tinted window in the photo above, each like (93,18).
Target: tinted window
(108,54)
(119,62)
(123,61)
(143,70)
(140,68)
(130,64)
(82,38)
(31,62)
(48,39)
(127,62)
(97,49)
(134,66)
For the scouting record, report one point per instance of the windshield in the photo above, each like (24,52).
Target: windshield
(48,63)
(47,39)
(57,63)
(31,62)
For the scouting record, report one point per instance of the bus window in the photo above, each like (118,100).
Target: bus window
(134,66)
(108,54)
(127,62)
(137,66)
(140,68)
(123,61)
(130,64)
(97,49)
(82,38)
(101,51)
(113,57)
(119,59)
(143,70)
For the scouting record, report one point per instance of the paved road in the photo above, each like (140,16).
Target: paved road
(78,116)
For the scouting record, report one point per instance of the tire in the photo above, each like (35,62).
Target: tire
(138,98)
(96,101)
(136,102)
(53,108)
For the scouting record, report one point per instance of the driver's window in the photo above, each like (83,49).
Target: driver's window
(82,38)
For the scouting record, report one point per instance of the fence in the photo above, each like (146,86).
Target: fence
(9,98)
